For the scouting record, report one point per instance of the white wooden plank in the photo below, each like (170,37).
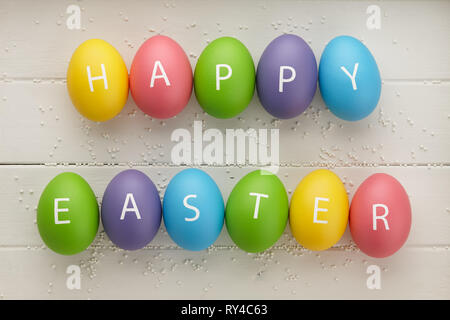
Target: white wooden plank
(37,44)
(38,124)
(415,273)
(22,185)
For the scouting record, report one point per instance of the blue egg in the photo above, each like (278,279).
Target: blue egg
(193,209)
(349,78)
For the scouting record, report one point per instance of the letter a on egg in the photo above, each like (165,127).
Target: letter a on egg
(162,74)
(134,207)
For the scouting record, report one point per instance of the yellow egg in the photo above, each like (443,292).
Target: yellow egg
(97,80)
(319,210)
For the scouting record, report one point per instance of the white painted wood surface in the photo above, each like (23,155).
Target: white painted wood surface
(407,136)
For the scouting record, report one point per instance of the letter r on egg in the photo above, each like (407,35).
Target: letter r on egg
(383,217)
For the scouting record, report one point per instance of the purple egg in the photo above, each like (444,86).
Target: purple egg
(131,210)
(286,77)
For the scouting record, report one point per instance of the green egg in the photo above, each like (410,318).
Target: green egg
(257,211)
(224,78)
(67,214)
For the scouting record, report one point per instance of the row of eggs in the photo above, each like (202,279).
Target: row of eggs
(256,212)
(224,80)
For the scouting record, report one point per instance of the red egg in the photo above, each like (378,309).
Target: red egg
(380,216)
(161,78)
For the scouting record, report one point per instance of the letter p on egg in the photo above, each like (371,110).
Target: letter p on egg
(283,79)
(225,77)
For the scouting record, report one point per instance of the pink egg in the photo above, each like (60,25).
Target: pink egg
(380,216)
(161,78)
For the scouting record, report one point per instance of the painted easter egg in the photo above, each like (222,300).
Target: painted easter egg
(97,80)
(257,211)
(193,209)
(161,77)
(67,214)
(319,210)
(286,78)
(131,210)
(349,78)
(224,78)
(380,216)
